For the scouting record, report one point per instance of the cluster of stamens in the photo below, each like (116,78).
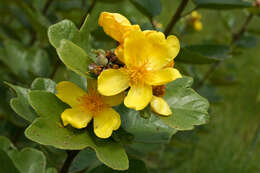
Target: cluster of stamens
(92,102)
(137,74)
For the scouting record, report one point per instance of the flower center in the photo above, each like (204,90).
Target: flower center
(137,74)
(92,102)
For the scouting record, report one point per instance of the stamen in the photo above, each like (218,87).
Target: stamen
(92,102)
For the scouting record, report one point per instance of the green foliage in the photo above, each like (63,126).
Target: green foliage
(83,160)
(150,130)
(20,104)
(150,8)
(203,54)
(74,57)
(34,32)
(133,167)
(222,4)
(25,62)
(48,130)
(188,107)
(28,160)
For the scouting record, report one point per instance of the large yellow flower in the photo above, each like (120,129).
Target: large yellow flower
(118,27)
(86,106)
(146,57)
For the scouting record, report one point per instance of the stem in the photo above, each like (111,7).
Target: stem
(152,22)
(88,12)
(189,12)
(237,35)
(176,17)
(207,75)
(46,7)
(55,69)
(71,155)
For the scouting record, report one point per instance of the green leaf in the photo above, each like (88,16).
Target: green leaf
(188,107)
(20,104)
(74,57)
(68,31)
(55,157)
(48,130)
(25,62)
(38,62)
(39,22)
(203,54)
(6,163)
(135,166)
(29,160)
(150,8)
(5,144)
(44,84)
(222,4)
(83,160)
(51,170)
(150,130)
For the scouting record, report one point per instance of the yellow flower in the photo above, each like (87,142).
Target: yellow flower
(86,106)
(146,57)
(197,25)
(118,27)
(196,21)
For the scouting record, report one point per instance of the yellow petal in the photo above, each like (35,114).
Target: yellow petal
(174,45)
(76,117)
(163,76)
(138,96)
(119,51)
(112,82)
(195,15)
(69,93)
(114,100)
(160,106)
(105,122)
(149,47)
(198,25)
(116,26)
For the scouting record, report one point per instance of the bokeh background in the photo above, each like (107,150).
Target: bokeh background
(228,143)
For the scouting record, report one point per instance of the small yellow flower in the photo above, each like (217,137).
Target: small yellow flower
(196,21)
(195,15)
(118,27)
(86,106)
(146,56)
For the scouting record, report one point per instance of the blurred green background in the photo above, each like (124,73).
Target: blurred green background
(228,143)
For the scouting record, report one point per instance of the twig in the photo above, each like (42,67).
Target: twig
(152,22)
(55,69)
(46,7)
(176,17)
(207,75)
(88,12)
(71,155)
(237,36)
(189,12)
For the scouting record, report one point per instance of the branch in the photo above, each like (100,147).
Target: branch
(176,17)
(237,36)
(71,155)
(88,12)
(46,7)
